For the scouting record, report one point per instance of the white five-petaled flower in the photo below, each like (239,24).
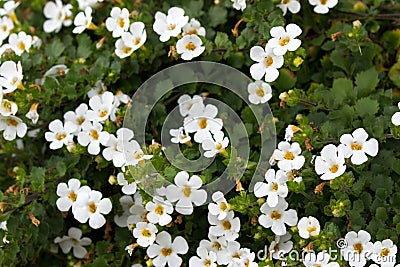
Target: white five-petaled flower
(396,117)
(7,107)
(170,25)
(259,92)
(323,6)
(11,76)
(165,251)
(127,188)
(331,163)
(290,131)
(194,27)
(133,210)
(308,227)
(357,249)
(204,258)
(145,233)
(131,41)
(118,22)
(186,192)
(83,21)
(229,227)
(190,46)
(77,117)
(355,145)
(276,217)
(13,127)
(384,253)
(186,103)
(116,145)
(275,187)
(220,208)
(101,106)
(134,154)
(92,135)
(215,145)
(91,207)
(57,15)
(75,241)
(267,64)
(6,26)
(280,246)
(217,245)
(9,8)
(179,136)
(292,5)
(239,4)
(69,193)
(159,211)
(85,3)
(60,134)
(98,89)
(321,259)
(289,156)
(284,40)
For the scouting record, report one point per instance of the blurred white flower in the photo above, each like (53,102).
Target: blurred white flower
(136,36)
(127,188)
(75,241)
(220,208)
(98,89)
(396,117)
(229,227)
(69,193)
(189,47)
(274,188)
(289,156)
(83,4)
(83,21)
(384,253)
(118,22)
(7,107)
(170,25)
(159,211)
(280,246)
(32,114)
(239,4)
(116,145)
(204,258)
(6,26)
(194,27)
(11,76)
(215,145)
(53,72)
(331,163)
(101,106)
(290,131)
(217,245)
(57,15)
(323,6)
(292,5)
(92,135)
(267,63)
(60,134)
(9,8)
(284,40)
(133,210)
(134,153)
(77,117)
(321,259)
(259,92)
(179,136)
(358,248)
(145,233)
(186,103)
(308,227)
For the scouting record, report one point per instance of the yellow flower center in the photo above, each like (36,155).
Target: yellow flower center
(193,31)
(311,229)
(92,207)
(384,252)
(207,262)
(203,123)
(94,134)
(103,113)
(236,255)
(4,28)
(217,246)
(269,61)
(171,27)
(260,92)
(187,191)
(355,146)
(6,105)
(159,210)
(358,247)
(285,2)
(80,120)
(190,46)
(21,46)
(60,136)
(146,233)
(334,168)
(275,215)
(166,252)
(219,146)
(289,156)
(126,50)
(284,41)
(323,2)
(137,41)
(291,176)
(72,196)
(275,186)
(14,81)
(223,206)
(121,22)
(227,225)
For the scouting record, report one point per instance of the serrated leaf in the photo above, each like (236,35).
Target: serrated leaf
(366,107)
(366,82)
(37,178)
(342,90)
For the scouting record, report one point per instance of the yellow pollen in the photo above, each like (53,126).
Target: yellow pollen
(139,156)
(291,176)
(227,225)
(14,81)
(219,146)
(193,31)
(137,41)
(60,16)
(171,27)
(223,206)
(146,233)
(275,215)
(311,229)
(190,46)
(317,265)
(285,2)
(4,28)
(358,248)
(260,92)
(72,196)
(217,246)
(6,105)
(60,136)
(323,2)
(94,134)
(21,46)
(236,255)
(284,41)
(187,191)
(268,62)
(203,123)
(207,262)
(355,146)
(159,210)
(334,168)
(103,113)
(275,186)
(126,50)
(289,156)
(121,22)
(92,207)
(166,252)
(80,120)
(384,252)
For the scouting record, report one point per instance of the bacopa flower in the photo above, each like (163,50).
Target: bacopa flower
(288,156)
(384,253)
(60,134)
(186,103)
(101,106)
(396,117)
(356,146)
(308,227)
(77,117)
(194,27)
(75,242)
(292,5)
(239,4)
(186,192)
(145,233)
(68,193)
(32,114)
(358,248)
(118,22)
(6,26)
(204,258)
(276,217)
(189,47)
(321,259)
(267,64)
(159,211)
(229,227)
(259,92)
(179,136)
(12,127)
(163,251)
(127,188)
(170,25)
(115,146)
(275,187)
(331,163)
(284,40)
(131,41)
(280,246)
(7,107)
(217,245)
(323,6)
(220,208)
(57,15)
(134,154)
(92,207)
(216,145)
(290,131)
(92,135)
(11,76)
(83,21)
(20,42)
(133,210)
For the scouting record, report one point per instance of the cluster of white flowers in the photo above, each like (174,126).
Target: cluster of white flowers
(131,36)
(86,204)
(201,120)
(57,15)
(176,24)
(73,241)
(332,164)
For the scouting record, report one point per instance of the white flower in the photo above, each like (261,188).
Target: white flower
(12,126)
(57,15)
(204,258)
(384,253)
(60,134)
(217,245)
(259,92)
(239,4)
(20,42)
(131,41)
(238,257)
(74,241)
(280,246)
(186,103)
(292,5)
(92,135)
(396,117)
(284,40)
(185,192)
(276,217)
(194,27)
(3,225)
(323,6)
(7,107)
(8,8)
(83,20)
(189,47)
(288,156)
(358,248)
(159,211)
(101,106)
(292,176)
(229,227)
(356,146)
(32,114)
(118,22)
(308,227)
(98,89)
(53,72)
(267,64)
(331,163)
(6,26)
(134,154)
(133,210)
(69,193)
(115,147)
(127,188)
(290,131)
(216,145)
(321,259)
(92,207)
(87,3)
(179,136)
(145,233)
(11,76)
(122,50)
(166,252)
(170,25)
(77,117)
(202,121)
(275,187)
(220,208)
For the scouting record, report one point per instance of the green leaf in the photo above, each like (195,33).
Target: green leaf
(84,46)
(366,82)
(55,48)
(366,107)
(343,91)
(37,178)
(217,15)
